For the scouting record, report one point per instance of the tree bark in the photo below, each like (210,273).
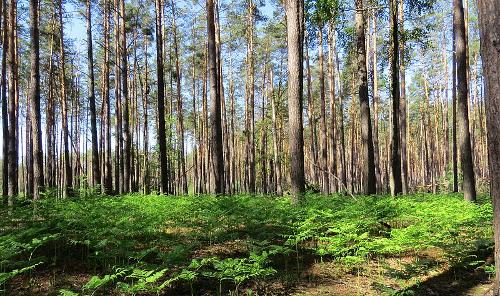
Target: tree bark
(469,183)
(368,167)
(395,177)
(161,100)
(96,173)
(489,22)
(35,101)
(13,189)
(216,124)
(402,114)
(322,119)
(295,38)
(5,119)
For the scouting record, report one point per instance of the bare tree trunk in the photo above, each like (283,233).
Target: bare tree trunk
(127,172)
(216,124)
(312,119)
(402,106)
(395,180)
(295,39)
(250,102)
(333,112)
(96,173)
(323,147)
(469,183)
(376,98)
(180,117)
(489,22)
(13,189)
(369,184)
(161,100)
(454,107)
(5,120)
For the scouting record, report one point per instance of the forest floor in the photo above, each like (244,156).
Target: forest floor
(247,245)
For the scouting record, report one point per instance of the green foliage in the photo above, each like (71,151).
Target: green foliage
(148,244)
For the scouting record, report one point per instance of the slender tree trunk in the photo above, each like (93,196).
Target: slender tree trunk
(369,184)
(96,173)
(323,148)
(469,183)
(395,179)
(295,39)
(402,107)
(118,128)
(180,117)
(489,22)
(454,110)
(5,119)
(333,112)
(13,189)
(35,101)
(161,100)
(250,110)
(376,99)
(127,172)
(216,124)
(311,118)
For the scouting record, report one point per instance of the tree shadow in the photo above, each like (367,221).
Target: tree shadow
(457,280)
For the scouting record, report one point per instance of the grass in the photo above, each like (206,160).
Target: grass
(198,245)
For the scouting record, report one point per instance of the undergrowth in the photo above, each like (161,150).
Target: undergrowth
(155,244)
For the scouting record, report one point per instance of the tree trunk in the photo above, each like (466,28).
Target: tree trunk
(96,173)
(469,183)
(368,170)
(295,38)
(127,172)
(395,179)
(333,112)
(180,118)
(402,106)
(13,189)
(35,101)
(161,101)
(323,148)
(311,118)
(5,120)
(489,22)
(216,124)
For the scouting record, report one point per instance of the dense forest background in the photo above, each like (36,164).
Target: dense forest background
(251,46)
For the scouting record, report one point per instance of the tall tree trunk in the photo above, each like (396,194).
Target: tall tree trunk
(489,22)
(35,101)
(311,118)
(276,159)
(376,99)
(469,183)
(333,112)
(5,119)
(369,184)
(216,124)
(323,148)
(13,189)
(161,100)
(180,117)
(295,40)
(402,111)
(127,172)
(118,128)
(96,173)
(250,102)
(108,180)
(454,110)
(395,179)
